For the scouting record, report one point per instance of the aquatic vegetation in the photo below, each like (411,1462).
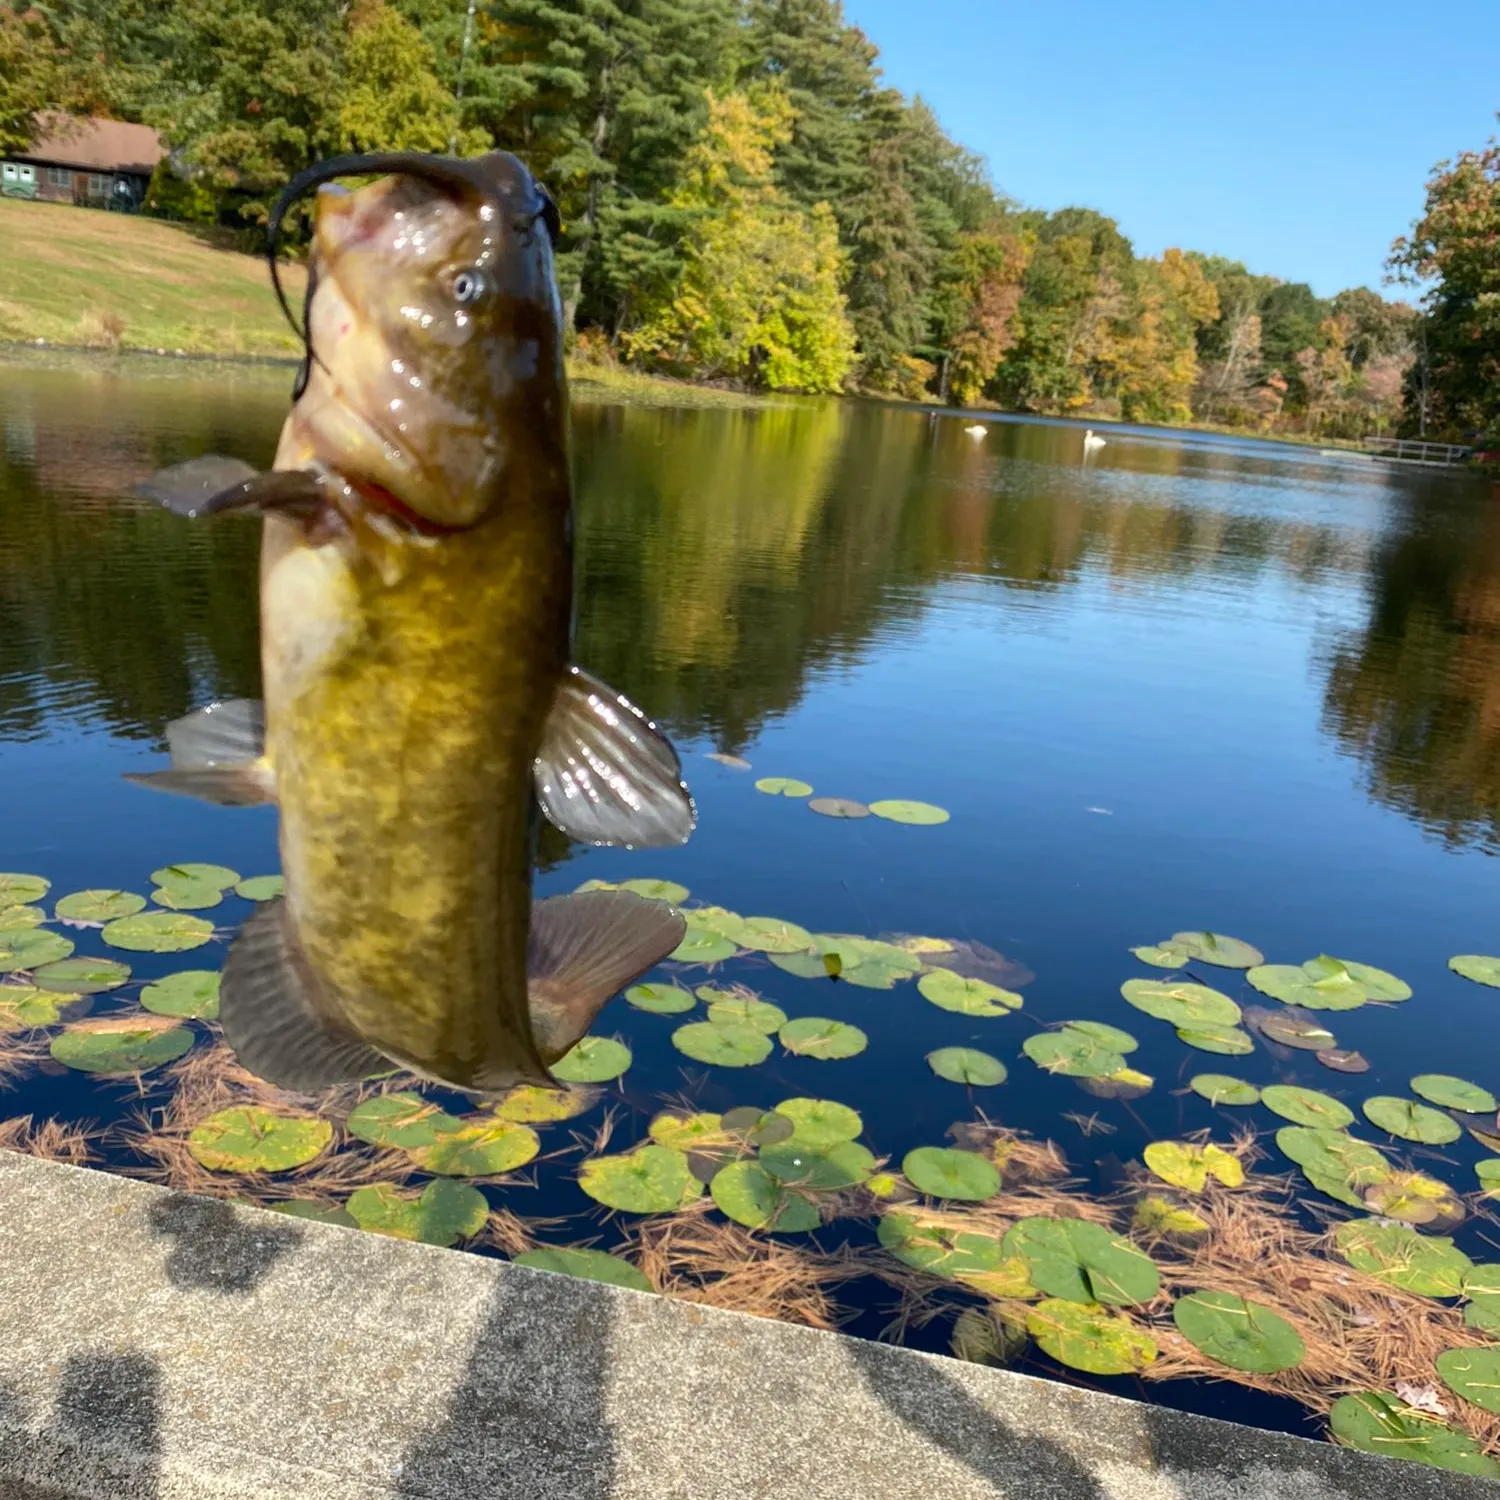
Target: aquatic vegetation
(81,976)
(31,948)
(661,999)
(1073,1052)
(1082,1262)
(22,890)
(842,1164)
(1291,1028)
(967,1066)
(1306,1106)
(922,814)
(839,807)
(819,1037)
(750,1195)
(593,1059)
(648,1180)
(157,932)
(1432,1266)
(701,945)
(120,1045)
(189,994)
(253,1139)
(1226,1041)
(95,907)
(747,1010)
(1183,948)
(944,1173)
(1479,967)
(1220,1088)
(443,1213)
(590,1265)
(1412,1122)
(1189,1165)
(1181,1002)
(817,1123)
(1454,1093)
(968,997)
(783,786)
(1243,1335)
(260,887)
(1379,1422)
(724,1044)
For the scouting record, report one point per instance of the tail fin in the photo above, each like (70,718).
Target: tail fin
(585,948)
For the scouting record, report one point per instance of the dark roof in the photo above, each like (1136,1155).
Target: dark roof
(94,145)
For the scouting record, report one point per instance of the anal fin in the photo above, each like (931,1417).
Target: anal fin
(585,948)
(228,786)
(270,1012)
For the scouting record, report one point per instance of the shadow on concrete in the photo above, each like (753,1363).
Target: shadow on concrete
(214,1251)
(529,1418)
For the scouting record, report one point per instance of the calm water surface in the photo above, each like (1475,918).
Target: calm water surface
(1189,682)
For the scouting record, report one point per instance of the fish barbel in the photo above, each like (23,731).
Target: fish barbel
(420,707)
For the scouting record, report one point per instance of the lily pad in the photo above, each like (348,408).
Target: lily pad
(1181,1002)
(1082,1262)
(819,1123)
(1306,1106)
(1220,1088)
(442,1214)
(529,1105)
(1073,1053)
(21,890)
(701,946)
(1163,955)
(587,1265)
(120,1045)
(1155,1216)
(660,999)
(1343,1060)
(1186,1165)
(749,1195)
(841,1165)
(480,1149)
(1226,1041)
(987,1337)
(1429,1265)
(1291,1028)
(1125,1083)
(1376,1422)
(592,1059)
(31,948)
(725,1045)
(251,1139)
(896,810)
(648,1180)
(23,1006)
(401,1120)
(1473,1374)
(747,1010)
(1214,948)
(1379,985)
(1412,1122)
(218,876)
(839,807)
(772,935)
(12,917)
(656,890)
(261,888)
(819,1037)
(758,1127)
(1088,1337)
(97,906)
(158,932)
(809,965)
(685,1132)
(1479,967)
(188,895)
(783,786)
(966,1065)
(939,1247)
(318,1213)
(1107,1036)
(1415,1198)
(81,976)
(1335,1163)
(1454,1093)
(1243,1335)
(1293,985)
(942,1172)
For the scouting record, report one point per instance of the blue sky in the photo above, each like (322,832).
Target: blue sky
(1296,139)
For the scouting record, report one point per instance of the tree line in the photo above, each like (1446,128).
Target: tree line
(744,200)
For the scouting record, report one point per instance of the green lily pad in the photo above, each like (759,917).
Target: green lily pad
(1293,985)
(1412,1122)
(660,999)
(587,1265)
(1479,967)
(1306,1106)
(686,1132)
(443,1213)
(1415,1198)
(935,1246)
(481,1149)
(749,1195)
(1454,1093)
(1473,1374)
(783,786)
(819,1037)
(1076,1054)
(261,888)
(747,1010)
(966,1065)
(158,932)
(758,1127)
(841,1165)
(839,807)
(592,1059)
(1335,1163)
(1376,1422)
(1107,1036)
(1243,1335)
(251,1139)
(819,1123)
(219,876)
(657,890)
(942,1172)
(1189,1166)
(192,993)
(1181,1002)
(1226,1041)
(1163,955)
(1089,1338)
(187,895)
(21,890)
(1220,1088)
(1429,1265)
(1155,1216)
(702,946)
(809,965)
(1487,1171)
(923,814)
(1082,1262)
(81,976)
(400,1121)
(97,906)
(1214,948)
(723,1044)
(24,1006)
(772,935)
(987,1337)
(1125,1083)
(528,1104)
(31,948)
(648,1180)
(12,917)
(1376,983)
(318,1213)
(116,1045)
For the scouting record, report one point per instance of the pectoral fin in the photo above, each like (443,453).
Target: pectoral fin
(211,484)
(606,774)
(218,755)
(585,948)
(270,1011)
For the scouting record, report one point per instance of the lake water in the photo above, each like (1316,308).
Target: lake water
(1185,682)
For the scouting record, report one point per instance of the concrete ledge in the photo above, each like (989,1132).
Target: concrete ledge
(162,1347)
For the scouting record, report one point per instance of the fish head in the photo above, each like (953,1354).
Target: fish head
(435,382)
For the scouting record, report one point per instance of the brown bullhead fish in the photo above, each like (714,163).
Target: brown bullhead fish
(420,707)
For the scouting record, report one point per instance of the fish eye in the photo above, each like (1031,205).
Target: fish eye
(468,285)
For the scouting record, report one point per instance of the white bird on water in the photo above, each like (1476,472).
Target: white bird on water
(1091,444)
(978,430)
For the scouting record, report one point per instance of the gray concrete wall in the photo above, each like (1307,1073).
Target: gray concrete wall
(159,1347)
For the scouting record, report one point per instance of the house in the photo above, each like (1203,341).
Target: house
(94,163)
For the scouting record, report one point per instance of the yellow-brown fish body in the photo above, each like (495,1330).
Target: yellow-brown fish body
(416,596)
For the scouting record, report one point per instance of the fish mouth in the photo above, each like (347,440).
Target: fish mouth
(379,498)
